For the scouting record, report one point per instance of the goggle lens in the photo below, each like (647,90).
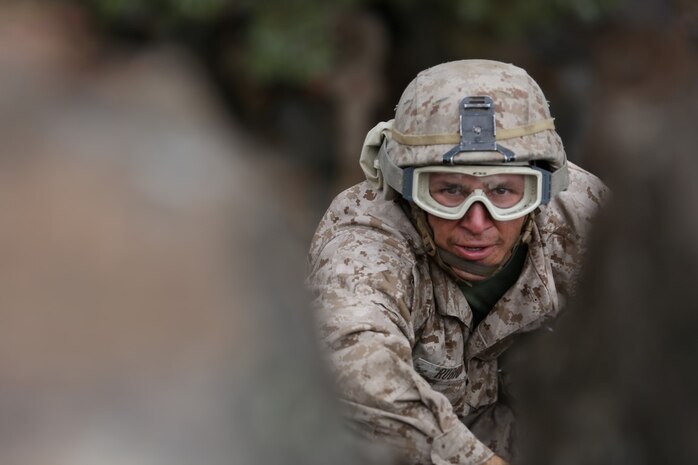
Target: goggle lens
(452,189)
(506,192)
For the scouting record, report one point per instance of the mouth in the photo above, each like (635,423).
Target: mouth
(474,252)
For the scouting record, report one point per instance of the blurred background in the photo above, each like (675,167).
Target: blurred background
(307,79)
(164,165)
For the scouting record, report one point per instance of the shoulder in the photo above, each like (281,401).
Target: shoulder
(366,262)
(361,221)
(585,188)
(563,227)
(574,210)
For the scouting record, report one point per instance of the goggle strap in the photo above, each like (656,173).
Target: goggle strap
(396,177)
(553,183)
(559,180)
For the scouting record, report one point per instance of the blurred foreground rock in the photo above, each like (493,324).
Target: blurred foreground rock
(151,297)
(616,382)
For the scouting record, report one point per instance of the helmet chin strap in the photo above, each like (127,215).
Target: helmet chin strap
(486,271)
(467,266)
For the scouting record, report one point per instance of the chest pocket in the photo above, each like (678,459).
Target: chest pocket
(450,381)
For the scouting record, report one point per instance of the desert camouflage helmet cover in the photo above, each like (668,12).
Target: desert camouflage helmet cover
(427,125)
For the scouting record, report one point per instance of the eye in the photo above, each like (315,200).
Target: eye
(447,189)
(450,194)
(501,190)
(452,189)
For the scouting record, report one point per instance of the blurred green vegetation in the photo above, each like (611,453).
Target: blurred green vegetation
(292,41)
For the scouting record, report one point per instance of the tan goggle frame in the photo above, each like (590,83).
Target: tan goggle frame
(533,195)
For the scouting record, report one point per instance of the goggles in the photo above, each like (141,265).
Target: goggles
(448,190)
(508,192)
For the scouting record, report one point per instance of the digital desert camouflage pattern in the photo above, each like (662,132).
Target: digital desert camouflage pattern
(429,106)
(410,368)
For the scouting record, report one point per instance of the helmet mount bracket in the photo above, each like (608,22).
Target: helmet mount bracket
(477,129)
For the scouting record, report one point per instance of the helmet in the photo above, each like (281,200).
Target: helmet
(468,112)
(475,118)
(429,106)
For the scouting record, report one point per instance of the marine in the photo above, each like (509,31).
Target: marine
(468,233)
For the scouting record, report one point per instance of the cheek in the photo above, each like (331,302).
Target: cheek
(512,231)
(439,228)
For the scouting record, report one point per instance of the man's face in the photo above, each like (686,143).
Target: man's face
(476,236)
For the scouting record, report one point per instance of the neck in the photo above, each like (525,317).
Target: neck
(467,266)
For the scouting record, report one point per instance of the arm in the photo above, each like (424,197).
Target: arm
(364,295)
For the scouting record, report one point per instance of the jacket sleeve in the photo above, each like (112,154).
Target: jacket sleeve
(363,283)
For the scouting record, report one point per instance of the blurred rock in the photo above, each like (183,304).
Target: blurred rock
(357,88)
(615,384)
(151,291)
(642,68)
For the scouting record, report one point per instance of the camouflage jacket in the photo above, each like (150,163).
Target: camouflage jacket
(411,369)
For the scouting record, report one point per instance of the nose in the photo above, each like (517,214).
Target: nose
(477,219)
